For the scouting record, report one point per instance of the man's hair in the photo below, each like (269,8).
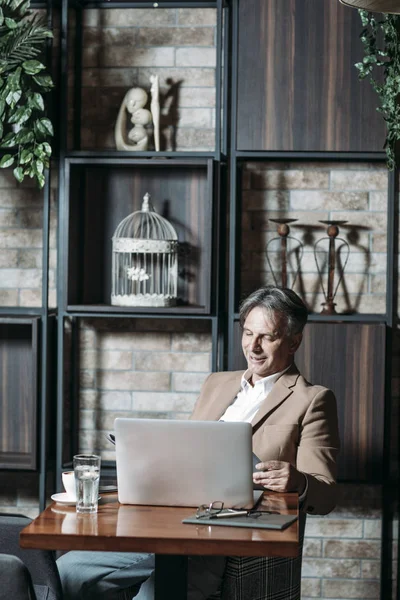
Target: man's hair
(277,300)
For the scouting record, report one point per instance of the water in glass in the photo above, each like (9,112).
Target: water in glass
(87,488)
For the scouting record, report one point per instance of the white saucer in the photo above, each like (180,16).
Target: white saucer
(63,498)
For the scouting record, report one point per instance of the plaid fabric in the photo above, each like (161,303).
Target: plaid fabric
(264,578)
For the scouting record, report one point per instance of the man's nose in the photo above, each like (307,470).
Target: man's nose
(255,343)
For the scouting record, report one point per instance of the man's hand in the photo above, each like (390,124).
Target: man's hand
(279,476)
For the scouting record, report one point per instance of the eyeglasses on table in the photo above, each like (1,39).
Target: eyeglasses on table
(216,510)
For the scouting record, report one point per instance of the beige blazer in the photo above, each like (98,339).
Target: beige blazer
(296,423)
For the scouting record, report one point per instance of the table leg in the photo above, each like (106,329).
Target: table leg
(170,577)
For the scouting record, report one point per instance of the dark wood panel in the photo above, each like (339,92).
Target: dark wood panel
(348,358)
(180,194)
(18,394)
(298,88)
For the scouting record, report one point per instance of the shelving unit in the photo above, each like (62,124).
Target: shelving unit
(295,100)
(25,341)
(99,186)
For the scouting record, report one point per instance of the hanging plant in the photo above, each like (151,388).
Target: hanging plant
(381,41)
(24,127)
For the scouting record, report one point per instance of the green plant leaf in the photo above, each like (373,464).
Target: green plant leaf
(41,180)
(36,101)
(24,136)
(21,115)
(18,174)
(25,156)
(22,77)
(44,81)
(10,23)
(9,141)
(38,166)
(32,67)
(44,127)
(6,161)
(47,148)
(13,97)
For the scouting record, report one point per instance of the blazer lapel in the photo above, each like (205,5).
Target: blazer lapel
(224,396)
(279,393)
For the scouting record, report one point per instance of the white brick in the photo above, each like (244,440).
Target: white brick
(21,278)
(130,380)
(20,238)
(195,117)
(106,360)
(129,56)
(376,221)
(193,97)
(186,342)
(350,528)
(343,569)
(111,401)
(192,57)
(378,201)
(370,569)
(359,180)
(8,218)
(193,16)
(188,382)
(87,379)
(8,259)
(372,528)
(30,298)
(310,588)
(87,419)
(134,341)
(193,77)
(344,588)
(265,200)
(315,200)
(290,179)
(30,259)
(169,361)
(164,402)
(129,17)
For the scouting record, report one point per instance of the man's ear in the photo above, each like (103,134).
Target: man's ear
(295,342)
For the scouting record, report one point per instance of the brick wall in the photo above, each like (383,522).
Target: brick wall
(21,243)
(156,367)
(311,192)
(139,369)
(121,49)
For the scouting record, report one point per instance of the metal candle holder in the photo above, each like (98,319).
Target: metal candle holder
(332,233)
(283,231)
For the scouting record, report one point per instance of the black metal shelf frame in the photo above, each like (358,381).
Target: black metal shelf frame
(212,161)
(236,159)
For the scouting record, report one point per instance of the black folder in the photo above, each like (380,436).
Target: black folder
(264,521)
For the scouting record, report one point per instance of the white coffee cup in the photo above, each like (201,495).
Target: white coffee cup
(68,479)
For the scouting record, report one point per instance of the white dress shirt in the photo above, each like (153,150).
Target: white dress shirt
(249,399)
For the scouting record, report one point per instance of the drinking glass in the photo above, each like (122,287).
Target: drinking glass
(87,476)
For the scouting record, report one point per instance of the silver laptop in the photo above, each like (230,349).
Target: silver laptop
(183,463)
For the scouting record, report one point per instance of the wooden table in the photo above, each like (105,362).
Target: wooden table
(159,530)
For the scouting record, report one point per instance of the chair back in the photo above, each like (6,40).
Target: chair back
(40,563)
(15,579)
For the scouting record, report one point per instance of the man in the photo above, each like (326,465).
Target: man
(295,436)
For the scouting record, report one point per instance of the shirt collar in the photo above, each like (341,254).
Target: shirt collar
(265,383)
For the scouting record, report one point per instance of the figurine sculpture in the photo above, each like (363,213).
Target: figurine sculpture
(155,109)
(134,102)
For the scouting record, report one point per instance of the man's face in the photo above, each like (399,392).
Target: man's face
(266,347)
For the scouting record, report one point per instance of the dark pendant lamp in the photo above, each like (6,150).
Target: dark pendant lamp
(380,6)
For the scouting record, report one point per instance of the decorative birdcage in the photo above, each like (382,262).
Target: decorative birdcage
(145,260)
